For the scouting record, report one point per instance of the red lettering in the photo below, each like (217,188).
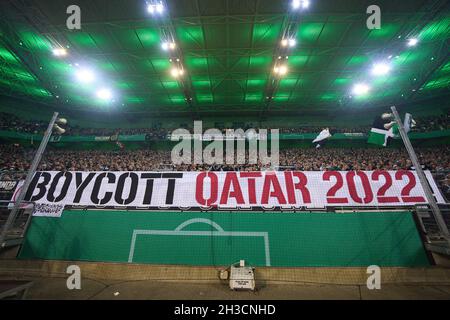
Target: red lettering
(331,194)
(409,186)
(199,188)
(385,187)
(251,184)
(368,195)
(231,179)
(272,180)
(300,185)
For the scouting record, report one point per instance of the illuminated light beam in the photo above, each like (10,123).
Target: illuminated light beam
(412,42)
(85,76)
(380,69)
(360,89)
(104,94)
(156,8)
(59,52)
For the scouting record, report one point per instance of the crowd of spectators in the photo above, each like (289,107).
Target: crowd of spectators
(10,122)
(433,123)
(15,157)
(13,123)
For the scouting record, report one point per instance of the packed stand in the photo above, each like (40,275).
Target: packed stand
(17,158)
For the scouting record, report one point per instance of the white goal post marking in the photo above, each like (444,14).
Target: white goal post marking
(219,233)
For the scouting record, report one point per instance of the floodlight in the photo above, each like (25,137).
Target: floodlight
(296,4)
(412,42)
(104,94)
(168,45)
(283,70)
(360,89)
(380,69)
(176,72)
(155,8)
(280,70)
(59,52)
(159,8)
(288,42)
(85,75)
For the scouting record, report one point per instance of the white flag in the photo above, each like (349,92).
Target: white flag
(324,134)
(408,122)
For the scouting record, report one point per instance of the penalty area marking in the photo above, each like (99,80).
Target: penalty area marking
(218,233)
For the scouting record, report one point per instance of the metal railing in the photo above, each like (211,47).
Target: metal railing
(14,233)
(428,223)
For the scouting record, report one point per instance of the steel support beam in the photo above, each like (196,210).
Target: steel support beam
(422,178)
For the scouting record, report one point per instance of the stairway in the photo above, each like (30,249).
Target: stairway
(16,232)
(434,241)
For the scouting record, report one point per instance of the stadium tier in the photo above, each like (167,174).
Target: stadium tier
(293,137)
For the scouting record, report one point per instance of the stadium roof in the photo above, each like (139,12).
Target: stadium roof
(228,50)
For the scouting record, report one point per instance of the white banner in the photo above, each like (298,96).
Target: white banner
(226,190)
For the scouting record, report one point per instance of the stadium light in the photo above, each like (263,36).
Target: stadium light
(296,4)
(59,52)
(412,42)
(380,69)
(288,42)
(176,72)
(155,8)
(168,45)
(280,70)
(85,75)
(104,94)
(360,89)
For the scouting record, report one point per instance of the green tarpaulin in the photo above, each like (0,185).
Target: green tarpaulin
(222,238)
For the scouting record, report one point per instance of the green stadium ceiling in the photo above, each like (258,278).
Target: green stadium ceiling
(228,49)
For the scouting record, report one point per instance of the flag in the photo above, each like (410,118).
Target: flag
(322,137)
(380,137)
(383,128)
(324,134)
(409,122)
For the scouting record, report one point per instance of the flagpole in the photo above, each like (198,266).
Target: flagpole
(26,184)
(422,178)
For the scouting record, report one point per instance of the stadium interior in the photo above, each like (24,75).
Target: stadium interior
(94,95)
